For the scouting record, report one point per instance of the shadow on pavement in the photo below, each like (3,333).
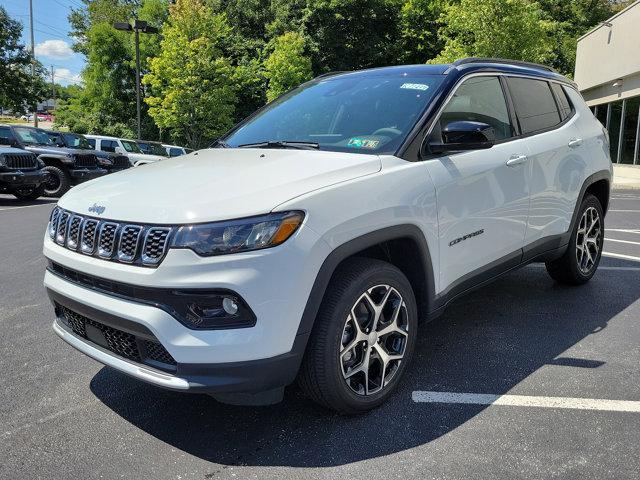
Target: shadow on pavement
(487,342)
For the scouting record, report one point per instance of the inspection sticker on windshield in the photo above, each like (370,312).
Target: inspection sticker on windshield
(415,86)
(356,142)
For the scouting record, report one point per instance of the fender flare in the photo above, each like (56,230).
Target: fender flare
(353,246)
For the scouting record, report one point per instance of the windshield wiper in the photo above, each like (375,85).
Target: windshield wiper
(220,144)
(282,144)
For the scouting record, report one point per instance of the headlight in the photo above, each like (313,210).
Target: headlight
(3,162)
(105,161)
(234,236)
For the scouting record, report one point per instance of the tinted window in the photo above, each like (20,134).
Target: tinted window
(6,137)
(108,145)
(92,142)
(175,152)
(535,105)
(360,112)
(33,136)
(131,147)
(479,99)
(563,100)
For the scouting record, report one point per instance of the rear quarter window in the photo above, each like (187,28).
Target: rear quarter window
(534,103)
(563,101)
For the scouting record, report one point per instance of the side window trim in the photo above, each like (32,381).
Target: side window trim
(572,112)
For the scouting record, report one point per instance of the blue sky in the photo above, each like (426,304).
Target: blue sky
(51,29)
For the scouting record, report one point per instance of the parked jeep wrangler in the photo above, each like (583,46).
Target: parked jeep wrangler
(21,174)
(112,162)
(65,166)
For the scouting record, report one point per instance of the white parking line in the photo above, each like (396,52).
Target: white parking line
(622,230)
(27,206)
(527,401)
(621,241)
(619,255)
(618,210)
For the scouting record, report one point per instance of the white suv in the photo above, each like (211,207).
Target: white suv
(310,241)
(122,146)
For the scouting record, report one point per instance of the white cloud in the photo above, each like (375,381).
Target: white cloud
(58,49)
(64,76)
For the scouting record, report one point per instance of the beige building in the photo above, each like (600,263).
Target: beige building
(608,74)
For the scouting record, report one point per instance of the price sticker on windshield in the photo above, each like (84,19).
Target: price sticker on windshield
(415,86)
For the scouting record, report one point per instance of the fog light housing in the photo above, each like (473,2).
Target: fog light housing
(218,311)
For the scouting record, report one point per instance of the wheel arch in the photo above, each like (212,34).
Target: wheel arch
(384,244)
(52,161)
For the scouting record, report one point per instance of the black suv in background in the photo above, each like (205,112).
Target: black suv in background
(21,174)
(112,162)
(65,166)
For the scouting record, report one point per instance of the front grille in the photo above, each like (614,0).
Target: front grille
(85,160)
(19,161)
(123,344)
(121,161)
(119,242)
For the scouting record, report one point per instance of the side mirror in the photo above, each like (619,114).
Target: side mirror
(464,135)
(118,150)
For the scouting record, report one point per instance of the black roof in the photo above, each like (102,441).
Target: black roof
(457,68)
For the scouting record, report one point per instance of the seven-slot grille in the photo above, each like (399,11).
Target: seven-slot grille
(85,160)
(20,161)
(120,242)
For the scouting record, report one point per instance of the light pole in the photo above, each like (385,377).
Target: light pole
(33,62)
(137,27)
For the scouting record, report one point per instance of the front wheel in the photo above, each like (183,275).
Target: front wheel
(580,262)
(58,182)
(29,193)
(363,338)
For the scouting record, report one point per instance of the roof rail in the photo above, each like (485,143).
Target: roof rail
(504,61)
(328,74)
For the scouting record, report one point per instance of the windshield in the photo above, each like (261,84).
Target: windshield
(130,146)
(364,113)
(152,148)
(32,136)
(73,140)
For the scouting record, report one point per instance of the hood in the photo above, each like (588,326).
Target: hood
(53,150)
(215,184)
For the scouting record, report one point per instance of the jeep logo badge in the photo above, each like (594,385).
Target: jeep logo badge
(97,209)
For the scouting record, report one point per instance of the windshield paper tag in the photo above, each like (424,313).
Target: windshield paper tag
(362,143)
(415,86)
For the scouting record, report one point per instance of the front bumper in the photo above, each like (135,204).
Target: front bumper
(235,377)
(20,178)
(275,283)
(84,174)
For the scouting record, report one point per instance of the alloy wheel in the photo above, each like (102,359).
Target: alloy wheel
(588,240)
(374,340)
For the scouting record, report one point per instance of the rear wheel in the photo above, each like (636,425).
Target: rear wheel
(580,262)
(363,338)
(29,193)
(58,182)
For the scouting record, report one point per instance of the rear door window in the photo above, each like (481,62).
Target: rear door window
(534,103)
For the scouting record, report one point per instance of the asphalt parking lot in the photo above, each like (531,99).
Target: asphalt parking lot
(62,415)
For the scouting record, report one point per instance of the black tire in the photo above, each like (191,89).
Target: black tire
(567,269)
(26,194)
(322,371)
(59,182)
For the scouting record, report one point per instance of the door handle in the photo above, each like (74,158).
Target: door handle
(575,142)
(516,160)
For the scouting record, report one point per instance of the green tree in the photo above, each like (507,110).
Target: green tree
(192,83)
(287,66)
(515,29)
(351,34)
(419,21)
(18,89)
